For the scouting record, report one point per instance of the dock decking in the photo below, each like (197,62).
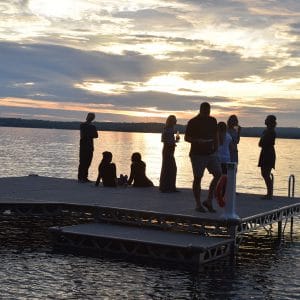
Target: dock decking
(145,242)
(142,207)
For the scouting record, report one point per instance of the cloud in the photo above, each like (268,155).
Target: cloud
(55,69)
(150,56)
(223,65)
(158,19)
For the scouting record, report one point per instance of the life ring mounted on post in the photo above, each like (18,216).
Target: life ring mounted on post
(220,190)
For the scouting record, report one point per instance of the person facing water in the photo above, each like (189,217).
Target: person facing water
(225,146)
(107,171)
(167,182)
(234,129)
(88,133)
(267,155)
(202,133)
(138,172)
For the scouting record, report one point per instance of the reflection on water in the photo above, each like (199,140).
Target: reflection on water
(54,153)
(29,270)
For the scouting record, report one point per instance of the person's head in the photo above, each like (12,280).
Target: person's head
(205,109)
(232,121)
(271,121)
(90,117)
(107,156)
(171,121)
(222,127)
(136,156)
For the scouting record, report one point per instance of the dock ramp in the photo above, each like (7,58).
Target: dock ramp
(101,238)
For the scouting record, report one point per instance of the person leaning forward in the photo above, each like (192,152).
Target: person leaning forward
(88,132)
(202,133)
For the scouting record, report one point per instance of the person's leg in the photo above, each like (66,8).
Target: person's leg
(197,191)
(166,171)
(81,165)
(214,167)
(266,174)
(198,165)
(88,161)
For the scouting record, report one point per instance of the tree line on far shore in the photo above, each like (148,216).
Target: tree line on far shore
(282,132)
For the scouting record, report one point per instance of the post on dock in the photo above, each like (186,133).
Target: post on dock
(230,207)
(291,194)
(230,194)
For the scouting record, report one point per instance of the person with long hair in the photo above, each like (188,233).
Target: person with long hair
(107,171)
(138,176)
(234,129)
(167,182)
(267,155)
(225,146)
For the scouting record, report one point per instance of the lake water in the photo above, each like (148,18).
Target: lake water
(29,270)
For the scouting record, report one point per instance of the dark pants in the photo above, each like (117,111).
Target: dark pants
(85,159)
(167,182)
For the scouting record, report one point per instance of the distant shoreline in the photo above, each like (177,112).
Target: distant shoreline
(282,132)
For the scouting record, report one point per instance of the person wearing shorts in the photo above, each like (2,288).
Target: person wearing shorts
(202,133)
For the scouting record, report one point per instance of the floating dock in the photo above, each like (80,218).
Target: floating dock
(140,221)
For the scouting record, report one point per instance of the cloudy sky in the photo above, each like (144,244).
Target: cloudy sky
(141,60)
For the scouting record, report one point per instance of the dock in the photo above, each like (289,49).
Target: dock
(140,221)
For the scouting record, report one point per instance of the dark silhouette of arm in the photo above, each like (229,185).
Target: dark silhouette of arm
(131,177)
(99,176)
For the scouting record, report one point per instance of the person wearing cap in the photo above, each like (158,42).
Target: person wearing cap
(88,133)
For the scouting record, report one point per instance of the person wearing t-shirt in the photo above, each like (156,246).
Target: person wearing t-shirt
(225,146)
(88,133)
(202,133)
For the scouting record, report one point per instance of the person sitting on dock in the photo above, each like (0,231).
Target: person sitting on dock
(138,172)
(88,132)
(202,133)
(267,155)
(107,171)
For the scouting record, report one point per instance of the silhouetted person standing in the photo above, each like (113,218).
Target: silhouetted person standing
(167,182)
(234,129)
(267,155)
(225,146)
(202,133)
(88,132)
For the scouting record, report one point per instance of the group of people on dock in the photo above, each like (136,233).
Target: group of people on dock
(107,169)
(213,145)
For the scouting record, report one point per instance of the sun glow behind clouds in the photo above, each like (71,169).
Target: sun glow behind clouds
(141,112)
(55,8)
(175,83)
(253,88)
(102,87)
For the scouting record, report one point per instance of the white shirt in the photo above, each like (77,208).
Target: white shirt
(223,150)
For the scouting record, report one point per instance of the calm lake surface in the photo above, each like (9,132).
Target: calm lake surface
(29,270)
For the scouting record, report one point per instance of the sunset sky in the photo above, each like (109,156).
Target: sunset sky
(141,60)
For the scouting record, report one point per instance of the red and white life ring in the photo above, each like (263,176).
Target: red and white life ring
(220,190)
